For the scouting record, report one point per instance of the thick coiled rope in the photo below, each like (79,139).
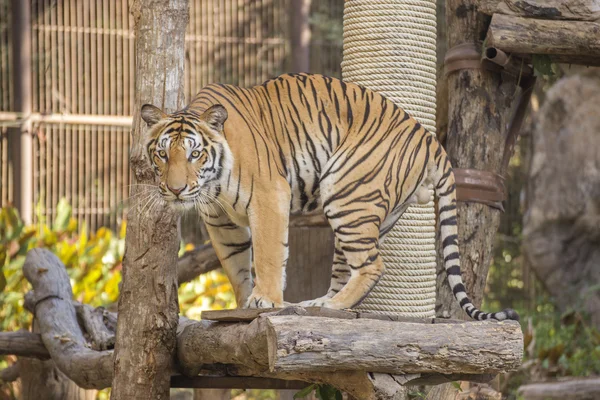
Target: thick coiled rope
(390,47)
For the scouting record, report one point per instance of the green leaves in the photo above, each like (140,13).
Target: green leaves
(305,392)
(323,392)
(92,261)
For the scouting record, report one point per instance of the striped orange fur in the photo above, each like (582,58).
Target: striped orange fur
(247,158)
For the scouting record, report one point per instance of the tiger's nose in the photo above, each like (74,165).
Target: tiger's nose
(176,191)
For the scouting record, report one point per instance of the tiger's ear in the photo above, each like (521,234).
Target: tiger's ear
(152,114)
(215,116)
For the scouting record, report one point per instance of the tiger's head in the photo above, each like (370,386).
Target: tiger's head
(188,153)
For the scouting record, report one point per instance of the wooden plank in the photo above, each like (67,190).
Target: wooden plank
(575,10)
(533,36)
(250,314)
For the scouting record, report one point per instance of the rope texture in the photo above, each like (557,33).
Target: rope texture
(390,47)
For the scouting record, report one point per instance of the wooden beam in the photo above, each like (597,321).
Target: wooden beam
(572,389)
(19,118)
(574,10)
(533,36)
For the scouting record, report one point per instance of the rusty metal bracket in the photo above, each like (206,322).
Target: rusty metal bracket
(480,186)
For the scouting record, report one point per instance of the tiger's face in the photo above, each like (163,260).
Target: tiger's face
(187,153)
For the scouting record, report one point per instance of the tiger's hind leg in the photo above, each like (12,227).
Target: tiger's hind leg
(341,271)
(357,236)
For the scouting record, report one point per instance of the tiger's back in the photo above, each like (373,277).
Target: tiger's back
(304,143)
(293,125)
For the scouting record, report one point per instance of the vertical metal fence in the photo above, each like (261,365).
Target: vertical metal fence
(82,57)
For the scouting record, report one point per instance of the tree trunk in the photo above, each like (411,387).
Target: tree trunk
(148,308)
(478,112)
(477,116)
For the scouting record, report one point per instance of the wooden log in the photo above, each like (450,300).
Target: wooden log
(323,344)
(575,10)
(197,262)
(572,389)
(533,36)
(93,321)
(23,343)
(58,325)
(311,344)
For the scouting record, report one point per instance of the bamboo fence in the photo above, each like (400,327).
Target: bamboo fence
(82,56)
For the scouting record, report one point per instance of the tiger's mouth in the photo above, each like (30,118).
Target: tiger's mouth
(180,204)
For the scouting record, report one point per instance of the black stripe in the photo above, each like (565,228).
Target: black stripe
(449,207)
(453,256)
(449,221)
(458,288)
(447,192)
(449,241)
(453,270)
(464,302)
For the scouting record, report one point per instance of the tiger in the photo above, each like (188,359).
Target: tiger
(248,158)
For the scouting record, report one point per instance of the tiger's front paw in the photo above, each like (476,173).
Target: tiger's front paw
(260,300)
(318,302)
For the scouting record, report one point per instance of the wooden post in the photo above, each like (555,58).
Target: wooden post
(148,308)
(300,35)
(20,138)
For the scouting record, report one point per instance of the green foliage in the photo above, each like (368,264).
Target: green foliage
(93,261)
(565,344)
(545,68)
(322,392)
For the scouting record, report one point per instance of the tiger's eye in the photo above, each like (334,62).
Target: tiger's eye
(162,153)
(195,154)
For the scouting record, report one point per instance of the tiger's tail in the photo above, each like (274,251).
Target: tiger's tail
(445,189)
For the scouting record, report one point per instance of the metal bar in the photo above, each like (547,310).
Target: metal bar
(21,153)
(234,382)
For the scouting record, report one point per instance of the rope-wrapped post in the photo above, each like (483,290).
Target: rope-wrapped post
(390,47)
